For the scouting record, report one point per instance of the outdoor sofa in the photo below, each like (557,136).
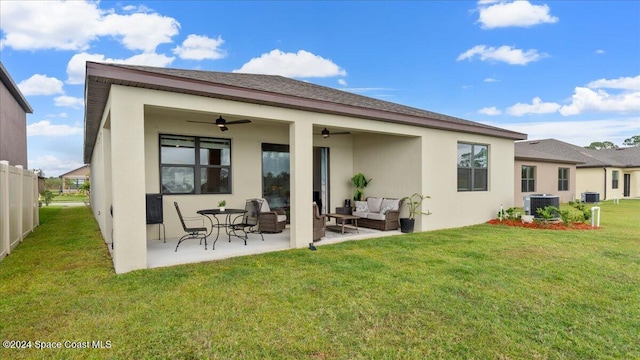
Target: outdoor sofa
(378,213)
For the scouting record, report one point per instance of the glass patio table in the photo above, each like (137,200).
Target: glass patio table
(225,221)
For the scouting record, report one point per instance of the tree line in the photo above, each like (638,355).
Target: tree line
(633,141)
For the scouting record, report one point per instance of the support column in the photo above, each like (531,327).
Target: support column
(301,155)
(128,180)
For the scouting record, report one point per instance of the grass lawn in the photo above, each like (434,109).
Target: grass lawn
(480,292)
(70,198)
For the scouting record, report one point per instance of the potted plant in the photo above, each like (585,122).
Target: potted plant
(413,202)
(359,181)
(222,204)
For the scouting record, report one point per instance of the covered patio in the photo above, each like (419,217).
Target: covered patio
(161,254)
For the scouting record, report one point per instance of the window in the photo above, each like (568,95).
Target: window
(615,174)
(563,179)
(195,165)
(473,167)
(528,178)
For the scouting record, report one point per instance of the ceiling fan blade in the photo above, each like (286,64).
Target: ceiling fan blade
(201,122)
(224,128)
(341,133)
(244,121)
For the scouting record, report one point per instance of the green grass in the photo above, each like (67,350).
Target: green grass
(480,292)
(70,198)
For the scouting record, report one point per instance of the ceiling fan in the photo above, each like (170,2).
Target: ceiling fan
(222,123)
(326,133)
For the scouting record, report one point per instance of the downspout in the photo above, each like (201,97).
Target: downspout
(605,184)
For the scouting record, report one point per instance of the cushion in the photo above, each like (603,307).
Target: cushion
(376,216)
(374,204)
(389,204)
(362,214)
(362,206)
(282,218)
(265,206)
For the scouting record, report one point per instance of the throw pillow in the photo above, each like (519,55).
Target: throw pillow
(386,208)
(361,206)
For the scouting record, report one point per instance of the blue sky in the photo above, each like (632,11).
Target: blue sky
(568,70)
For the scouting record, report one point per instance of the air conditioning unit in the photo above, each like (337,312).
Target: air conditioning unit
(540,201)
(590,197)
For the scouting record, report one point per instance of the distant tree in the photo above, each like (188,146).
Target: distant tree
(52,183)
(597,145)
(633,141)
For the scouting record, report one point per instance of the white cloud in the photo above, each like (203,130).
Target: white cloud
(41,85)
(72,25)
(492,110)
(52,166)
(197,47)
(581,133)
(536,107)
(76,68)
(139,31)
(600,51)
(69,101)
(490,80)
(517,13)
(342,82)
(46,128)
(623,83)
(302,64)
(504,53)
(585,99)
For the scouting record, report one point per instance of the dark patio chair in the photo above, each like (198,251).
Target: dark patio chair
(319,223)
(248,222)
(271,221)
(192,232)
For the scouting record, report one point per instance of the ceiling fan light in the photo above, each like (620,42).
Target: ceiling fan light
(325,133)
(221,122)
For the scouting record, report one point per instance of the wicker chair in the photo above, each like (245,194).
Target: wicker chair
(271,221)
(319,223)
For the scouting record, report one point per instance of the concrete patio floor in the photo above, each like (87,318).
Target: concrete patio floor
(161,254)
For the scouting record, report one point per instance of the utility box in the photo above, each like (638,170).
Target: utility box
(590,197)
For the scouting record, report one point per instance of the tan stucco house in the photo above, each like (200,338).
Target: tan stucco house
(540,172)
(73,180)
(13,121)
(152,130)
(611,173)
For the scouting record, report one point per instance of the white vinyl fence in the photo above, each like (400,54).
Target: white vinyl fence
(18,206)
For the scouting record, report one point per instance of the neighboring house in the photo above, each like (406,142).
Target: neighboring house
(540,172)
(13,121)
(73,180)
(152,130)
(612,173)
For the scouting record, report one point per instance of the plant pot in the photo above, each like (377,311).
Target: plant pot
(222,209)
(527,219)
(406,225)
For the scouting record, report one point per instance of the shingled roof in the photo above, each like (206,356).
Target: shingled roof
(559,151)
(261,89)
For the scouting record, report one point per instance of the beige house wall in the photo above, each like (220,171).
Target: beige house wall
(546,181)
(401,159)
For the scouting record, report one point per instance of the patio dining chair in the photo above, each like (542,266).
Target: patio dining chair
(248,222)
(191,232)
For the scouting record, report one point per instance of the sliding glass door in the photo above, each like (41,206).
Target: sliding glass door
(275,176)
